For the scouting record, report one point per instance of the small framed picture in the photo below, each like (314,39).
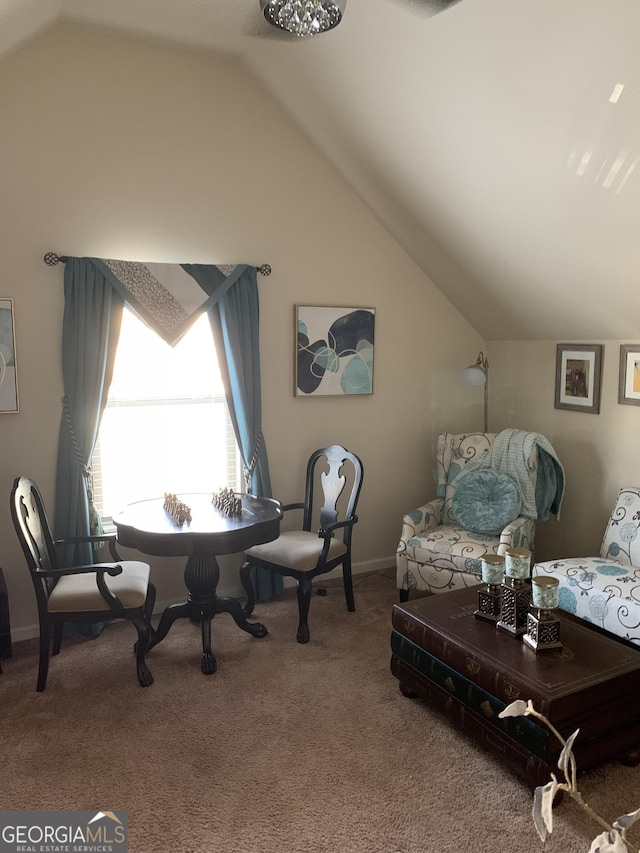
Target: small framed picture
(629,387)
(8,375)
(334,351)
(578,377)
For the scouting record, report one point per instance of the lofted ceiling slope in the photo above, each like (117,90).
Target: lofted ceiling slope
(484,134)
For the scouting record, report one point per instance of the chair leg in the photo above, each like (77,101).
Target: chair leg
(404,595)
(57,637)
(149,603)
(245,578)
(143,628)
(303,588)
(348,585)
(43,665)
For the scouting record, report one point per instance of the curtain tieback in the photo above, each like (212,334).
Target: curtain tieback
(87,472)
(248,472)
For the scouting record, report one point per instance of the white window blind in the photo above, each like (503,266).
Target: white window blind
(166,427)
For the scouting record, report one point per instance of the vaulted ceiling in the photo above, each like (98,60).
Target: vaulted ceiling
(497,140)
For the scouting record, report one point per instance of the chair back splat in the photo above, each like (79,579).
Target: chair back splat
(35,537)
(304,553)
(80,594)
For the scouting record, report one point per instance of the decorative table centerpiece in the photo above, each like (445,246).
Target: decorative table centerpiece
(489,596)
(543,625)
(515,592)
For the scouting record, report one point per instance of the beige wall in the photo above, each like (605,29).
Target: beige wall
(600,453)
(113,147)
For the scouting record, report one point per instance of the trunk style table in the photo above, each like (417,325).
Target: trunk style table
(471,670)
(148,527)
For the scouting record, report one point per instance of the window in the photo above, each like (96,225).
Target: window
(166,426)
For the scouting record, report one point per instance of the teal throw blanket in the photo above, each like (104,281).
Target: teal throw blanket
(510,453)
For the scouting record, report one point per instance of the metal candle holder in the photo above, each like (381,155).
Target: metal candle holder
(543,625)
(515,592)
(489,595)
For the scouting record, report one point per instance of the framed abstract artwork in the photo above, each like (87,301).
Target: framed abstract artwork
(578,377)
(334,350)
(629,382)
(8,375)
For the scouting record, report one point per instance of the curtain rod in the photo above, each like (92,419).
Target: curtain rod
(51,259)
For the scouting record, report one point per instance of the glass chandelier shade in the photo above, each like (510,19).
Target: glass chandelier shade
(303,17)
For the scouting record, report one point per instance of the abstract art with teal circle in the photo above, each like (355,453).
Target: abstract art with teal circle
(335,351)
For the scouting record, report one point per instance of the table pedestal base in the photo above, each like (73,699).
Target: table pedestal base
(201,576)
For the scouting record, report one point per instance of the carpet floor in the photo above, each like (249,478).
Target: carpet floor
(286,748)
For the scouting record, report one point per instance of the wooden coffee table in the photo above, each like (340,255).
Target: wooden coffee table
(471,670)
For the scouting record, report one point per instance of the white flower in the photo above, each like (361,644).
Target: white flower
(519,708)
(565,755)
(543,808)
(626,820)
(608,842)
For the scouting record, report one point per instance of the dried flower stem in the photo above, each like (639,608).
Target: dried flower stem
(570,786)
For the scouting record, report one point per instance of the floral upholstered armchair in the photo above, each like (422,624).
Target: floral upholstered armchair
(605,590)
(491,490)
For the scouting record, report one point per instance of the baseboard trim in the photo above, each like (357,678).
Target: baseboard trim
(356,569)
(229,587)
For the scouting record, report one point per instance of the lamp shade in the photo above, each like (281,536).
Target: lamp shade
(478,374)
(474,375)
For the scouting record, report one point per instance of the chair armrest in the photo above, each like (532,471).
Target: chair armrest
(287,507)
(327,532)
(517,524)
(421,520)
(101,537)
(96,537)
(329,529)
(519,533)
(98,568)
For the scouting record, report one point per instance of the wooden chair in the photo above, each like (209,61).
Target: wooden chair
(79,593)
(303,554)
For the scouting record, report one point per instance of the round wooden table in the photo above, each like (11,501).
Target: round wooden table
(148,527)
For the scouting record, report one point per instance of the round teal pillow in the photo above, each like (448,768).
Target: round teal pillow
(486,501)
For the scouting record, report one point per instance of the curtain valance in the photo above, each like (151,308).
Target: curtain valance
(169,297)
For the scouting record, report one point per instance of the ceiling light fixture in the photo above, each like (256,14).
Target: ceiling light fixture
(303,17)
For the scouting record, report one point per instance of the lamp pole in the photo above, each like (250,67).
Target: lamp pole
(485,367)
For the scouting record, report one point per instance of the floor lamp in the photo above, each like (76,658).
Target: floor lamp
(478,374)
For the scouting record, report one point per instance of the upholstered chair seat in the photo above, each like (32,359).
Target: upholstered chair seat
(296,549)
(81,593)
